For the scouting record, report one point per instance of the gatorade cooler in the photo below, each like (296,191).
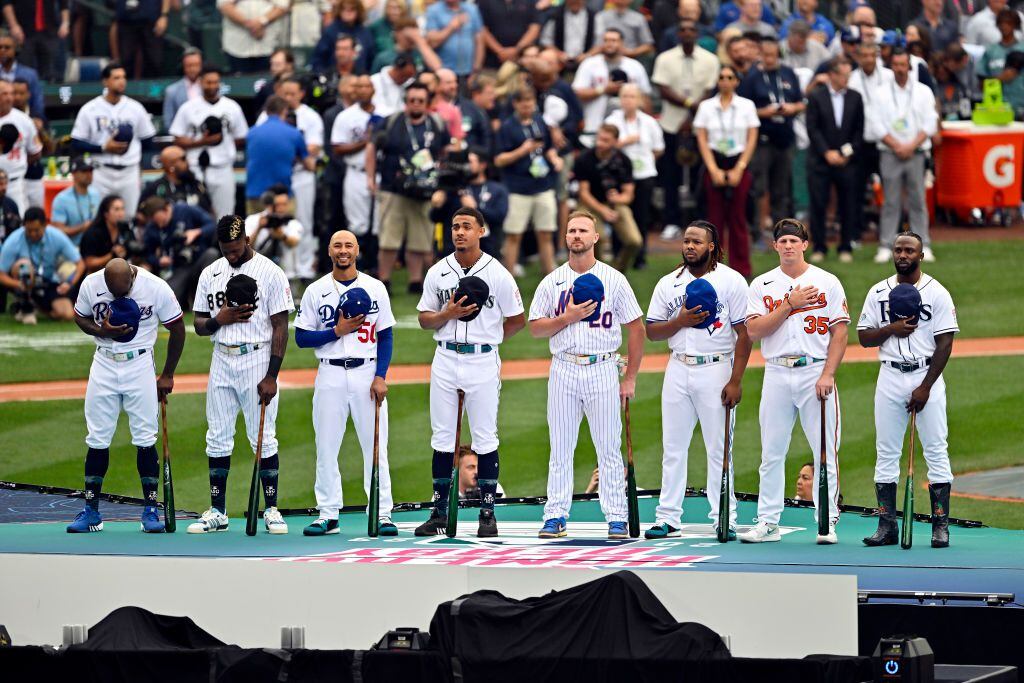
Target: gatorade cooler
(979,166)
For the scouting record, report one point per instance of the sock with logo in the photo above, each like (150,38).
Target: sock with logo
(219,482)
(149,472)
(487,478)
(268,477)
(442,470)
(96,462)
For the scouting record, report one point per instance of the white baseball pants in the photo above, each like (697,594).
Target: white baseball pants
(220,184)
(115,385)
(232,386)
(125,182)
(891,396)
(477,374)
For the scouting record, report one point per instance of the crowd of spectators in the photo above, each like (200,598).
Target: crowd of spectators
(386,116)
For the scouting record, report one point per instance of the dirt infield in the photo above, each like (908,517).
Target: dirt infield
(510,369)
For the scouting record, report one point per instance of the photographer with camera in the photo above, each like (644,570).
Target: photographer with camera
(408,143)
(110,236)
(466,186)
(275,232)
(40,265)
(178,240)
(178,184)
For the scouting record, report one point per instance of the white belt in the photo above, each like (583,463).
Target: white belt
(586,359)
(794,361)
(238,349)
(702,360)
(121,356)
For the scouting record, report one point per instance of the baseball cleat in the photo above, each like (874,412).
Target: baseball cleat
(762,532)
(617,530)
(85,521)
(730,536)
(436,525)
(553,528)
(210,521)
(663,530)
(151,523)
(940,514)
(274,521)
(830,538)
(322,527)
(488,525)
(385,527)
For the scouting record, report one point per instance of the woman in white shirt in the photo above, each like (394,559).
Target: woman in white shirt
(640,139)
(726,127)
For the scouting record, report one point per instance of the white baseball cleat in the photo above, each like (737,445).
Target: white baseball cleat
(671,232)
(763,532)
(883,255)
(210,521)
(830,538)
(274,521)
(927,255)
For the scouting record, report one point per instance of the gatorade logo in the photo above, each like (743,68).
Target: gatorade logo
(998,166)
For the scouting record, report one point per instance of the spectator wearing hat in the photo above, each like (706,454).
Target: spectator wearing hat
(251,30)
(178,241)
(599,78)
(799,50)
(74,207)
(807,11)
(19,145)
(636,32)
(178,184)
(32,267)
(187,87)
(38,28)
(211,129)
(272,149)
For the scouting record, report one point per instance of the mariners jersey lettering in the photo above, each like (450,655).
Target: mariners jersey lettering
(273,295)
(669,299)
(155,299)
(321,300)
(603,335)
(805,332)
(15,162)
(311,126)
(188,123)
(938,316)
(504,300)
(98,120)
(351,126)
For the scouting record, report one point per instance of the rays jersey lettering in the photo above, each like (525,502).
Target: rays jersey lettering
(317,312)
(273,295)
(938,316)
(806,331)
(154,297)
(669,298)
(603,335)
(98,120)
(504,300)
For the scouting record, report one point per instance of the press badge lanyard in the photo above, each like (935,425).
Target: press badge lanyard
(773,95)
(727,133)
(909,106)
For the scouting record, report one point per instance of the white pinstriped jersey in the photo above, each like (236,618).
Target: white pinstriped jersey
(155,299)
(805,332)
(603,335)
(938,316)
(669,299)
(98,119)
(273,295)
(316,312)
(504,301)
(188,122)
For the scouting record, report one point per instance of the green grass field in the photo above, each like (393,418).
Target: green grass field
(43,442)
(982,277)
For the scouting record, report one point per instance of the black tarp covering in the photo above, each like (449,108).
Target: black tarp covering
(135,628)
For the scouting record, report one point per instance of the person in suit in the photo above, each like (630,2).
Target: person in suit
(835,125)
(184,89)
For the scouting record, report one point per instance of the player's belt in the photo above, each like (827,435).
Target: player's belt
(701,360)
(238,349)
(11,180)
(584,359)
(906,366)
(466,348)
(794,361)
(121,356)
(118,167)
(347,363)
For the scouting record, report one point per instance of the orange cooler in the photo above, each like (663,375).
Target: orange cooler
(979,166)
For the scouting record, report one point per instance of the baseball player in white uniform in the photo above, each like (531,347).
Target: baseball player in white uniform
(122,376)
(704,373)
(468,335)
(249,342)
(311,126)
(798,311)
(354,355)
(211,152)
(584,375)
(114,128)
(349,135)
(913,353)
(24,149)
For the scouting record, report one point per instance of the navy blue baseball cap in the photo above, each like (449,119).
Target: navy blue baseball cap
(904,302)
(354,302)
(124,311)
(125,132)
(700,293)
(588,288)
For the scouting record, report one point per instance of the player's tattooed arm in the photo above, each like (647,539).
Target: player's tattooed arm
(943,349)
(104,329)
(512,325)
(267,388)
(732,392)
(836,349)
(165,382)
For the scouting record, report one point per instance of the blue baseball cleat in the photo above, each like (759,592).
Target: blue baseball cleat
(553,528)
(617,530)
(85,521)
(151,523)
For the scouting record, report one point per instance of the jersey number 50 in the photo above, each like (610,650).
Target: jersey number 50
(367,333)
(819,325)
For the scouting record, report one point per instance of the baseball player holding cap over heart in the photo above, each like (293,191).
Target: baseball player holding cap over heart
(700,308)
(911,319)
(798,311)
(581,307)
(473,305)
(242,303)
(346,317)
(121,306)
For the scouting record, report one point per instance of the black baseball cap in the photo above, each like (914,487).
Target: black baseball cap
(81,164)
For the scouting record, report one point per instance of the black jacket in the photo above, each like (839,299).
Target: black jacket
(821,124)
(25,13)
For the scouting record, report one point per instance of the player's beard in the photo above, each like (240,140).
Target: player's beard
(699,261)
(907,269)
(580,248)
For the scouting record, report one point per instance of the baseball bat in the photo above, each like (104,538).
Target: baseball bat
(169,522)
(254,487)
(373,505)
(723,495)
(907,530)
(823,511)
(453,490)
(631,501)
